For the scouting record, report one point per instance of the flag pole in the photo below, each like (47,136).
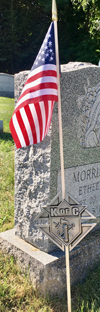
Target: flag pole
(55,18)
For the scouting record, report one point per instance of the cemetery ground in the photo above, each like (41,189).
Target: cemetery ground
(16,290)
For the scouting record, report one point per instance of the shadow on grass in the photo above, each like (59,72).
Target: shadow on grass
(6,136)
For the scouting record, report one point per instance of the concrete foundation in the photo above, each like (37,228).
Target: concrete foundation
(48,271)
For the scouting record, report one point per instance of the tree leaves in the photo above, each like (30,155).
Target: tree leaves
(24,23)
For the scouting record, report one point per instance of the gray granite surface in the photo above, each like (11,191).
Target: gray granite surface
(6,85)
(37,167)
(1,126)
(48,271)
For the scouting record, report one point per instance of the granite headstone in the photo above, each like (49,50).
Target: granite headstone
(37,167)
(1,126)
(6,85)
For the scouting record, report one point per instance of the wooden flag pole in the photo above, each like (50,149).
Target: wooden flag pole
(54,18)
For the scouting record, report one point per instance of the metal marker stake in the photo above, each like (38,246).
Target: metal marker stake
(54,18)
(68,279)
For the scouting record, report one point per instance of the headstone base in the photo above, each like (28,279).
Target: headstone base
(48,271)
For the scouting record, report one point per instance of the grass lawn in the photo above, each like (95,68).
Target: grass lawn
(6,166)
(16,291)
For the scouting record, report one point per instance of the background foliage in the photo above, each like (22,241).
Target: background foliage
(24,23)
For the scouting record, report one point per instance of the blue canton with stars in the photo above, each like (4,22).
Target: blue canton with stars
(46,54)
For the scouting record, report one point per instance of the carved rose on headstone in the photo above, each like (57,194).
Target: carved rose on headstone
(90,120)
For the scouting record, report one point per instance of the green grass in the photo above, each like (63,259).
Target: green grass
(16,290)
(6,166)
(86,296)
(6,110)
(17,293)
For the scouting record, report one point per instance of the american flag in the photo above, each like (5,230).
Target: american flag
(31,119)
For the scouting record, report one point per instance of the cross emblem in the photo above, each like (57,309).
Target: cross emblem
(63,221)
